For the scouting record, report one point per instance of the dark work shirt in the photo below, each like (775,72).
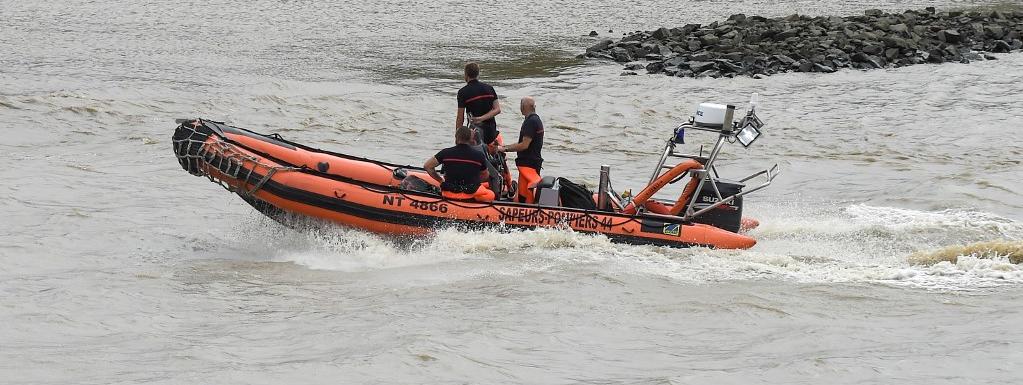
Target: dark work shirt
(532,127)
(462,166)
(477,98)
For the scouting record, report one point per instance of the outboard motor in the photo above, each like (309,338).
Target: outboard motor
(727,216)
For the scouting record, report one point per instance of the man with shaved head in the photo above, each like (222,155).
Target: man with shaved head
(528,148)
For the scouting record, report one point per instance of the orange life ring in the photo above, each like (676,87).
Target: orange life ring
(663,180)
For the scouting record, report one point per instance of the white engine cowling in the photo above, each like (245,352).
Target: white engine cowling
(710,115)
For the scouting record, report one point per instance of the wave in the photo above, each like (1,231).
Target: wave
(1011,251)
(325,246)
(7,104)
(850,244)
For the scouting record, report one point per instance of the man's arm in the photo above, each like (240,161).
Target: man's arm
(495,109)
(460,117)
(524,144)
(431,168)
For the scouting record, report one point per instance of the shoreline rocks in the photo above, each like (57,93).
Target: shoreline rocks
(757,46)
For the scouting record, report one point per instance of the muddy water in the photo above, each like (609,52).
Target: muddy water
(118,267)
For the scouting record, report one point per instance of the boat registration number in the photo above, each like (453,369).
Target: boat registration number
(399,201)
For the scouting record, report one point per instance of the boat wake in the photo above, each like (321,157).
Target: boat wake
(850,244)
(1010,250)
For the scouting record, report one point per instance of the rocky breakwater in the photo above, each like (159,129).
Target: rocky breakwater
(758,46)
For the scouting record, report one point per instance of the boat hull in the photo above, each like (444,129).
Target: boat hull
(282,178)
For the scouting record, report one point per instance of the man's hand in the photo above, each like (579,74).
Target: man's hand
(476,120)
(524,144)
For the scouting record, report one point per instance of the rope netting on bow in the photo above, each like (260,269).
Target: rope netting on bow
(203,153)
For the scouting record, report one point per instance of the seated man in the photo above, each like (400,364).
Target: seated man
(464,168)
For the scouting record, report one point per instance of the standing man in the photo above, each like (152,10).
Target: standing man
(480,100)
(528,148)
(464,169)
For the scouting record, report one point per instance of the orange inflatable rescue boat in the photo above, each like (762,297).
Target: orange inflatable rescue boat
(285,180)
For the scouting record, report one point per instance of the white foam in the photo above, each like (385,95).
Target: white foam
(850,244)
(967,272)
(328,247)
(905,220)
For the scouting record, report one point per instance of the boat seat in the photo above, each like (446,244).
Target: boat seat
(546,182)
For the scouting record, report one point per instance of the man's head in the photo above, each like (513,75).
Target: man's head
(472,71)
(463,135)
(527,105)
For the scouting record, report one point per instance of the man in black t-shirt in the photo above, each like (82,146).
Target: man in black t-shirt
(480,100)
(529,160)
(464,169)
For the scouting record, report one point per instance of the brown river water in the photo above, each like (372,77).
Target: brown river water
(118,267)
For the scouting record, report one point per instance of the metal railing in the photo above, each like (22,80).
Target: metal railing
(726,134)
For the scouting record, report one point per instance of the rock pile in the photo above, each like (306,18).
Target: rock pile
(757,46)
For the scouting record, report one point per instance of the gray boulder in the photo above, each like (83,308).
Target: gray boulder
(600,46)
(949,36)
(700,66)
(661,33)
(621,55)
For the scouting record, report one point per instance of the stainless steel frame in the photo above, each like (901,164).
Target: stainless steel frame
(725,134)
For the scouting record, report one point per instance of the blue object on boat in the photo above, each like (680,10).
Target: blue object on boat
(680,135)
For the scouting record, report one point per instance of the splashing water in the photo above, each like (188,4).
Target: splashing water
(857,243)
(1011,251)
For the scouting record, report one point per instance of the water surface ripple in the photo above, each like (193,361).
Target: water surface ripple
(118,267)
